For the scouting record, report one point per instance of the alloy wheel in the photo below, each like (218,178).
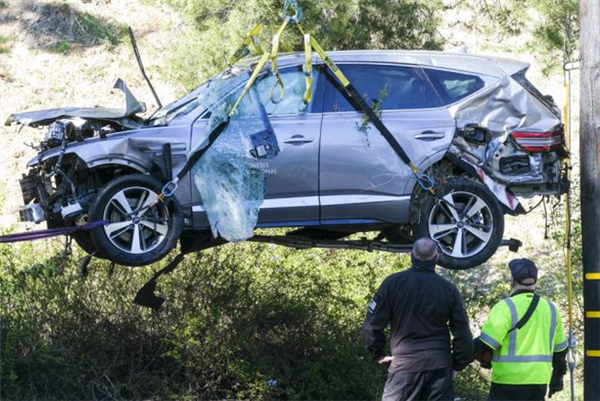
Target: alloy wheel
(461,223)
(137,223)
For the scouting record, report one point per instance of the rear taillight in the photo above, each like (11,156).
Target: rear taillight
(539,141)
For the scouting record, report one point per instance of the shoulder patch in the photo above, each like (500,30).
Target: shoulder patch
(372,305)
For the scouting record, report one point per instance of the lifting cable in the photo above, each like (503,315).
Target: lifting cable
(567,127)
(567,67)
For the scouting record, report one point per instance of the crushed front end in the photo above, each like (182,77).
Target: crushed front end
(58,188)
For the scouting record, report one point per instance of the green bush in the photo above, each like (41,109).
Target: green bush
(236,318)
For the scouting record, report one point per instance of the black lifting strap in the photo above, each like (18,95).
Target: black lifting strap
(350,93)
(523,321)
(360,103)
(212,137)
(146,296)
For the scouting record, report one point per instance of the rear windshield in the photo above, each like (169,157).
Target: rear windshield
(525,83)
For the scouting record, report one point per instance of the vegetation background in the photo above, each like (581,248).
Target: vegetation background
(244,321)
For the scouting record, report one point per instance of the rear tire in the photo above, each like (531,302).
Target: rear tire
(132,237)
(467,223)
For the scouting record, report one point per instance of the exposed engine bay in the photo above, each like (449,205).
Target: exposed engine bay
(58,183)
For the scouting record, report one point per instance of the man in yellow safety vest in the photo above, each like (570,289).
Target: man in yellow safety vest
(525,341)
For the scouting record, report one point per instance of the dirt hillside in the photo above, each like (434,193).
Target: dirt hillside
(70,53)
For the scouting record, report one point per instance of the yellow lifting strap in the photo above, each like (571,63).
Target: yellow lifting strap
(273,57)
(332,66)
(261,63)
(307,98)
(244,49)
(307,70)
(254,37)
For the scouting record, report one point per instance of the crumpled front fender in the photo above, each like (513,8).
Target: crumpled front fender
(121,151)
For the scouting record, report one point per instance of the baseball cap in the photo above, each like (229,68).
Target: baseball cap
(523,271)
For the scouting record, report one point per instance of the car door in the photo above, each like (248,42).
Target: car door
(292,176)
(362,179)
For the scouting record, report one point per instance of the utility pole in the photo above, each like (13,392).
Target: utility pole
(589,42)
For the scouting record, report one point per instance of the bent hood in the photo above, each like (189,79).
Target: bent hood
(125,117)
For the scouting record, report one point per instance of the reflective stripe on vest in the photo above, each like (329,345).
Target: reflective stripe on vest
(552,325)
(512,338)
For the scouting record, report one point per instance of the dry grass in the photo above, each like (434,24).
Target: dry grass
(62,55)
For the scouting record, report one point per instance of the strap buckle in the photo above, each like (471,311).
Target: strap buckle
(425,181)
(169,189)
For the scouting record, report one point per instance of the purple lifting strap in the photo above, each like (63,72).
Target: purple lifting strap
(53,232)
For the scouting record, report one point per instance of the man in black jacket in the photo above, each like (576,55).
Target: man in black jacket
(421,306)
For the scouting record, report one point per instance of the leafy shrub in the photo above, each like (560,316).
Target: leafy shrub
(238,319)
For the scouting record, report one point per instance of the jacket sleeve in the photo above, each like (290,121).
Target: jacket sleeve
(483,353)
(559,357)
(559,364)
(560,340)
(462,339)
(378,317)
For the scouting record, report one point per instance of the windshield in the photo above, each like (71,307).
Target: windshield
(203,96)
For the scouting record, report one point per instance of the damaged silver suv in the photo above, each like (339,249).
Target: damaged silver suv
(475,125)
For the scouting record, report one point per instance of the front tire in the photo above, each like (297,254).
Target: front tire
(141,230)
(465,220)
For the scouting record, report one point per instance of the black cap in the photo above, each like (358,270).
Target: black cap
(524,271)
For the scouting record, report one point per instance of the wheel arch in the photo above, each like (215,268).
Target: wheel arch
(444,164)
(119,161)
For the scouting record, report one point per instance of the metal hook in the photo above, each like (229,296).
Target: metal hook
(297,16)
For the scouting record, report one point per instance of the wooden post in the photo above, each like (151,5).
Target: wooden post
(589,14)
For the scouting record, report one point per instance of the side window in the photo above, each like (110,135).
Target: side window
(453,86)
(397,88)
(294,84)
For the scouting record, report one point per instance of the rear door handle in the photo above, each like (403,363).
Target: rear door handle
(298,139)
(430,135)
